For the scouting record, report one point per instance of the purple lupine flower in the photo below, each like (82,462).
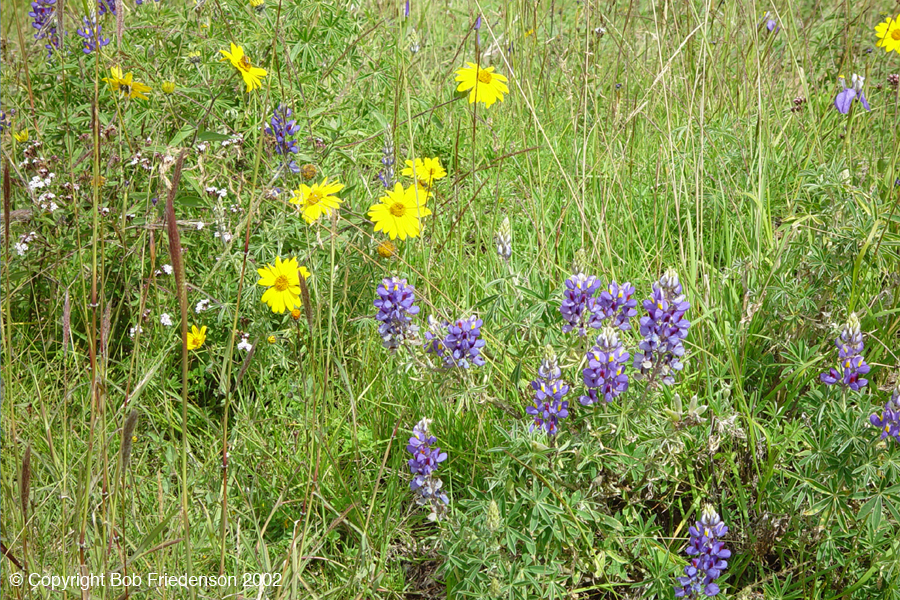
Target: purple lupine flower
(43,15)
(477,30)
(771,23)
(708,557)
(845,98)
(579,304)
(406,10)
(853,365)
(461,343)
(549,406)
(396,304)
(92,32)
(386,175)
(889,422)
(663,330)
(422,465)
(605,375)
(617,303)
(4,120)
(282,128)
(106,6)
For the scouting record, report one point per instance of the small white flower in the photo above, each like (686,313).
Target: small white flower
(221,193)
(168,270)
(201,306)
(21,248)
(135,330)
(202,147)
(104,211)
(200,225)
(244,344)
(166,319)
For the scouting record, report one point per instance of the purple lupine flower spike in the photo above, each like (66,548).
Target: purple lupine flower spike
(889,422)
(406,10)
(617,303)
(549,406)
(461,343)
(605,375)
(853,365)
(282,128)
(708,557)
(663,330)
(396,304)
(106,6)
(579,305)
(92,32)
(422,465)
(43,15)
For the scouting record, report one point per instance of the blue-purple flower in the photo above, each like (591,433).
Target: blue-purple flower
(853,366)
(458,343)
(92,32)
(845,98)
(283,128)
(771,23)
(889,422)
(4,120)
(425,460)
(106,6)
(663,331)
(396,304)
(605,375)
(43,18)
(579,305)
(549,406)
(618,304)
(708,557)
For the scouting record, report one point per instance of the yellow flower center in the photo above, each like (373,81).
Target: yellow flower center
(895,35)
(484,76)
(398,209)
(244,63)
(313,198)
(282,283)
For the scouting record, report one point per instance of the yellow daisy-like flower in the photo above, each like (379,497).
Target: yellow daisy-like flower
(283,281)
(317,200)
(125,84)
(386,249)
(196,337)
(21,136)
(252,75)
(426,171)
(399,213)
(271,339)
(485,85)
(168,87)
(889,34)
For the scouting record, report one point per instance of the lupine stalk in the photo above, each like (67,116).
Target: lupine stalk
(889,422)
(853,366)
(605,375)
(396,308)
(458,343)
(708,557)
(283,128)
(503,239)
(43,16)
(549,406)
(663,331)
(92,32)
(425,460)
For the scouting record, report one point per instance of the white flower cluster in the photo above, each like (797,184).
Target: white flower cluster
(214,191)
(244,344)
(38,183)
(237,139)
(140,159)
(46,203)
(24,240)
(201,306)
(166,319)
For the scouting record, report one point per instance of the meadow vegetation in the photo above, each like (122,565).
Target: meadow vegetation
(452,298)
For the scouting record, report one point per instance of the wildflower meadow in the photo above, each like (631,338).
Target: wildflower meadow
(506,299)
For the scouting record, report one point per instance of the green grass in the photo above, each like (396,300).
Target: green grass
(779,222)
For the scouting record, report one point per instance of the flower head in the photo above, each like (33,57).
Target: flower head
(889,34)
(503,240)
(283,281)
(168,87)
(845,98)
(424,462)
(707,557)
(21,136)
(106,6)
(92,32)
(396,304)
(196,337)
(458,343)
(386,249)
(399,213)
(483,85)
(125,84)
(889,422)
(604,374)
(852,365)
(240,61)
(549,406)
(579,304)
(425,171)
(317,200)
(663,330)
(43,15)
(283,128)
